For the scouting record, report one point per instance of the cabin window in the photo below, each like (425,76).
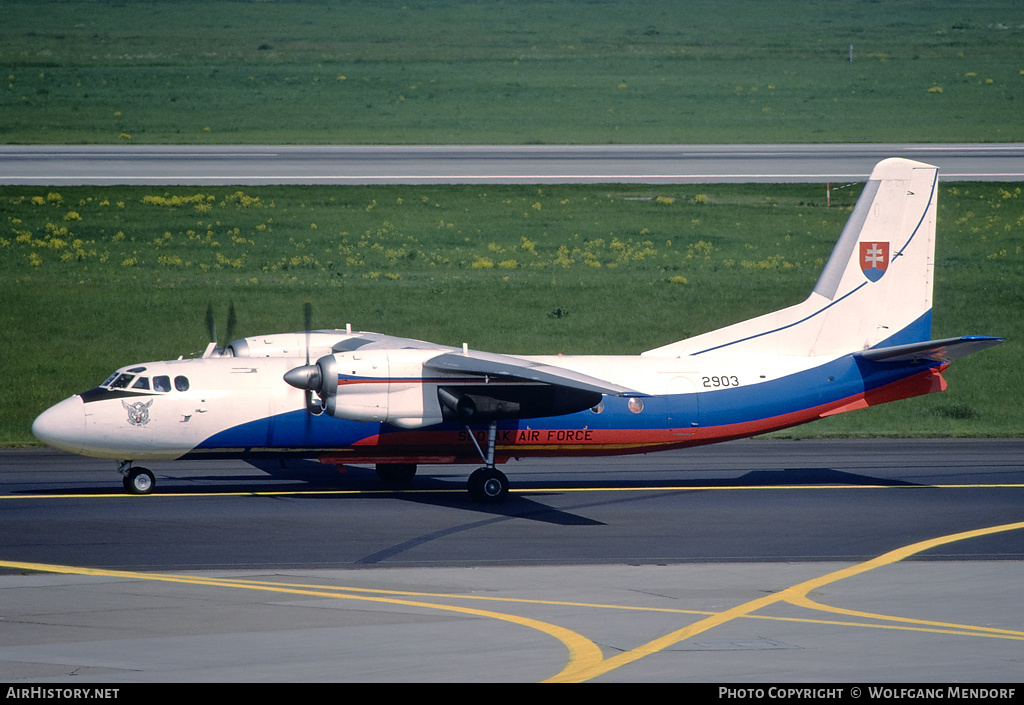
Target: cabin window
(635,405)
(181,383)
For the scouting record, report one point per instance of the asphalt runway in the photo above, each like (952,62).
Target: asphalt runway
(765,561)
(480,164)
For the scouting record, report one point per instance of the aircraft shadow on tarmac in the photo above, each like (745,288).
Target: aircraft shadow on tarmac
(447,492)
(312,474)
(313,481)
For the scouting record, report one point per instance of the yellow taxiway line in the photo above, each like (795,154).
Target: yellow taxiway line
(797,594)
(519,490)
(585,660)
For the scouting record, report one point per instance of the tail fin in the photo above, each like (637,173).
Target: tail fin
(876,288)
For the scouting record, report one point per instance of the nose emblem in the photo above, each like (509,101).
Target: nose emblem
(138,413)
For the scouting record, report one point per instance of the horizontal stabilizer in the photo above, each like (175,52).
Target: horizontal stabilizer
(943,350)
(508,366)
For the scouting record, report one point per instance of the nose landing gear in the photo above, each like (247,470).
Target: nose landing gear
(136,480)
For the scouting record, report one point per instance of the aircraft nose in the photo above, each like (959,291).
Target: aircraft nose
(62,425)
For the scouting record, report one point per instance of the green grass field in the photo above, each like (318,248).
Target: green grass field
(95,278)
(523,71)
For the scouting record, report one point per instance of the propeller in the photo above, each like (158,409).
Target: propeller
(232,322)
(211,324)
(308,377)
(307,324)
(215,349)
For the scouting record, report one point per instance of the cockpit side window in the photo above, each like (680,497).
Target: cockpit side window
(141,383)
(162,383)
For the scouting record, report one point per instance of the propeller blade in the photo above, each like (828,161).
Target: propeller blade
(307,377)
(232,321)
(211,325)
(307,323)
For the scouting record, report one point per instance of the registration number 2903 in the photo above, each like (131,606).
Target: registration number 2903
(715,381)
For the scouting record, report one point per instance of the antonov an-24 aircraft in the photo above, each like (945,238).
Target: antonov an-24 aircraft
(862,337)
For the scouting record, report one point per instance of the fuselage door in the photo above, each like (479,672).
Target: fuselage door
(685,401)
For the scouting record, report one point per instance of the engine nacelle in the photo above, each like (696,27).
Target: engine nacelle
(319,342)
(389,386)
(385,386)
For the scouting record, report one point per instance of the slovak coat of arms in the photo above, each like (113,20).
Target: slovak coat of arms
(874,259)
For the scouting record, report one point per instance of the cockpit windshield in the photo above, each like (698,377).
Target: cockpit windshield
(131,379)
(121,381)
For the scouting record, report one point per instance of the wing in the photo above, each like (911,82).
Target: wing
(492,367)
(366,340)
(487,367)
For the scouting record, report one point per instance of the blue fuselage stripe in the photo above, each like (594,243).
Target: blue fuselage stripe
(832,382)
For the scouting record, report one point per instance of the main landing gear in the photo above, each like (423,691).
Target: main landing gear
(136,480)
(487,484)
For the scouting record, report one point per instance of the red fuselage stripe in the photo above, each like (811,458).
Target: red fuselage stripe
(453,446)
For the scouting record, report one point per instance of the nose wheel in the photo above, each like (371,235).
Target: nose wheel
(138,480)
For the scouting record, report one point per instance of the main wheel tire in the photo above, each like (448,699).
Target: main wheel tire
(139,481)
(488,485)
(396,473)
